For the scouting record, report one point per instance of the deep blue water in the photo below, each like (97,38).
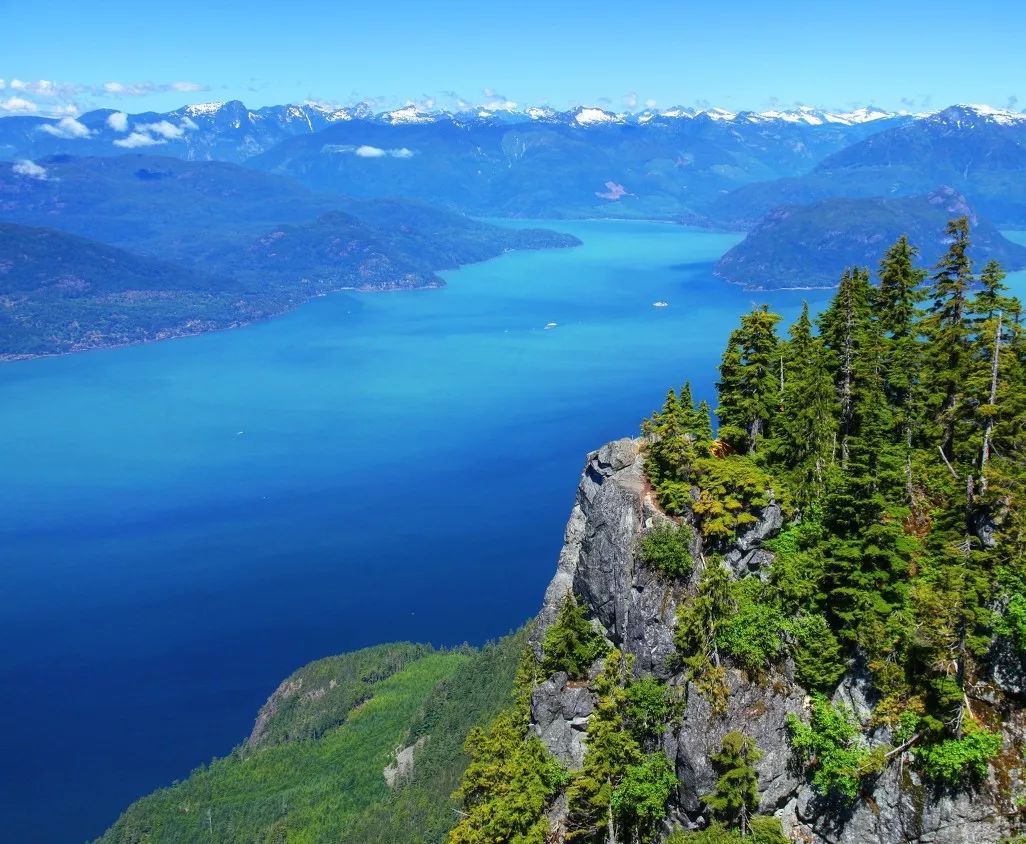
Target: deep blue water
(183,524)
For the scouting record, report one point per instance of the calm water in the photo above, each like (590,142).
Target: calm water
(185,523)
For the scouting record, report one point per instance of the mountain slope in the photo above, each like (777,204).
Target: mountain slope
(203,245)
(980,152)
(313,768)
(800,246)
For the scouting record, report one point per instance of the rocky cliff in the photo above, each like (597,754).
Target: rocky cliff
(635,607)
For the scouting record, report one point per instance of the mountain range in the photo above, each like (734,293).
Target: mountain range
(261,200)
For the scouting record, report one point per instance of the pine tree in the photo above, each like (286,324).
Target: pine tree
(897,299)
(688,414)
(948,332)
(805,426)
(611,751)
(749,384)
(704,429)
(846,330)
(736,796)
(698,621)
(571,643)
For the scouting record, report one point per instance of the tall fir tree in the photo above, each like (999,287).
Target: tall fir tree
(804,429)
(735,798)
(896,302)
(948,332)
(749,385)
(845,328)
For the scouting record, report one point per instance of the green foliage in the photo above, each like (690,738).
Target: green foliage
(732,489)
(611,750)
(736,795)
(508,784)
(749,384)
(1012,622)
(420,809)
(620,786)
(648,705)
(818,658)
(832,747)
(667,548)
(639,799)
(752,634)
(699,620)
(952,762)
(571,644)
(765,829)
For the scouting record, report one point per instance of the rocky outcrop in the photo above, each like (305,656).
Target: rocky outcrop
(635,609)
(400,770)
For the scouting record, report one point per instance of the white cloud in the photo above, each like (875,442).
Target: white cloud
(188,124)
(3,84)
(139,139)
(370,152)
(163,128)
(650,103)
(29,169)
(118,121)
(67,127)
(367,151)
(18,105)
(631,100)
(141,89)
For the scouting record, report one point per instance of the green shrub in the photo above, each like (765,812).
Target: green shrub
(752,634)
(818,658)
(731,490)
(667,548)
(639,799)
(765,829)
(648,706)
(832,747)
(571,644)
(954,761)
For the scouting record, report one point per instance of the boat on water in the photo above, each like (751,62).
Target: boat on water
(550,325)
(660,304)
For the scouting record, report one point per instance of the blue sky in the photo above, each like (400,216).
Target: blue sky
(159,55)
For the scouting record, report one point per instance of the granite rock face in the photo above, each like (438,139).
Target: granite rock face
(635,609)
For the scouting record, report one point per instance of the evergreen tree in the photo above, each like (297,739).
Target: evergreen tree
(948,332)
(571,643)
(699,619)
(611,751)
(704,429)
(690,421)
(804,429)
(736,796)
(749,384)
(897,299)
(847,330)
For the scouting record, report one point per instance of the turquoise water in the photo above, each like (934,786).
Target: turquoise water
(183,524)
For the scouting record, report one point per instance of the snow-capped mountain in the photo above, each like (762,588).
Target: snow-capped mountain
(231,131)
(709,163)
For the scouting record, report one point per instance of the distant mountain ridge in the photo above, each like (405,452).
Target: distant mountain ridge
(704,166)
(979,151)
(153,247)
(802,246)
